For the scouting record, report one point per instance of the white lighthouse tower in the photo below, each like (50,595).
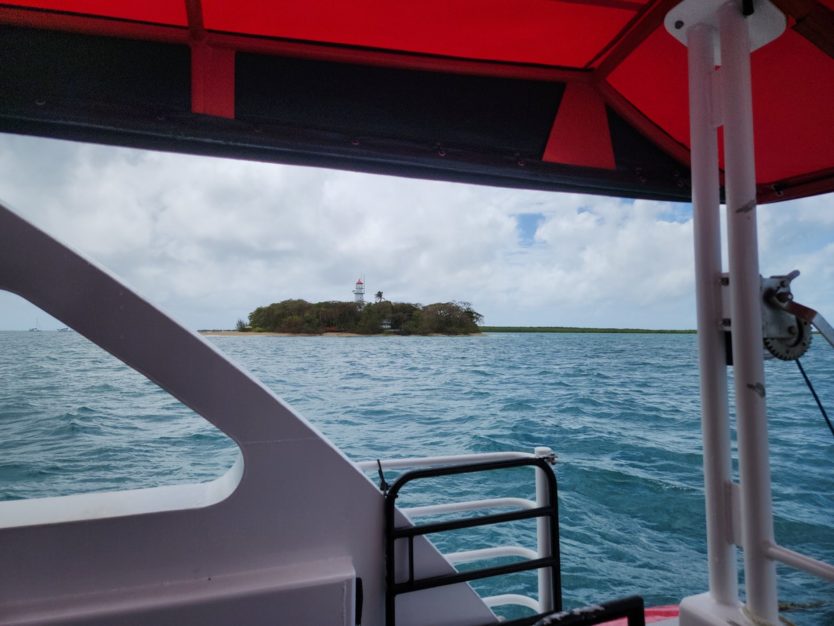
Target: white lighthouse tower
(359,292)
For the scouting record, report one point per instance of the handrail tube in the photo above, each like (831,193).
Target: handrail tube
(543,530)
(463,577)
(468,556)
(471,522)
(801,562)
(470,505)
(453,459)
(512,598)
(483,466)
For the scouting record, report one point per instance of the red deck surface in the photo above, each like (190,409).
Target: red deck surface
(653,614)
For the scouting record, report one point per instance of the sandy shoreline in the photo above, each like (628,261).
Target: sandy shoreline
(235,333)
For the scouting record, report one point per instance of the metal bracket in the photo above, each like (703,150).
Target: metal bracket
(766,23)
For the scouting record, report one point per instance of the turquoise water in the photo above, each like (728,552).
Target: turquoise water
(621,411)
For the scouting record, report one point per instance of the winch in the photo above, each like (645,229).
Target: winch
(786,324)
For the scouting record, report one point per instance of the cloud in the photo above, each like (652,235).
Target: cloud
(800,235)
(211,239)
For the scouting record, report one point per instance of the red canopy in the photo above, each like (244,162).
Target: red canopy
(585,95)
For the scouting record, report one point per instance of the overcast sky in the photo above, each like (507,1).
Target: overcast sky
(208,240)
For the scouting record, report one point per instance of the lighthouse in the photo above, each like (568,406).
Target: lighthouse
(359,292)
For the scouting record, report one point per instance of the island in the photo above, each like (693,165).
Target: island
(378,318)
(583,329)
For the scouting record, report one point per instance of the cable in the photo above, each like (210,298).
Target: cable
(816,397)
(384,486)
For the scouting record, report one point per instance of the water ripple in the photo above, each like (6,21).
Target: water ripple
(621,411)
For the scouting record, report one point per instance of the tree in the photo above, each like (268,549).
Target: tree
(300,316)
(449,318)
(378,296)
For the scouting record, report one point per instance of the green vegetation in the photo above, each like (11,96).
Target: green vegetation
(302,317)
(575,329)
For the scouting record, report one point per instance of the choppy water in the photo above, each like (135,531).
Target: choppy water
(621,411)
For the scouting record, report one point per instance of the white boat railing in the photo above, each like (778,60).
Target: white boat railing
(452,459)
(545,601)
(799,561)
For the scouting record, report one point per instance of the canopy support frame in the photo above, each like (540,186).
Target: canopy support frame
(715,425)
(745,295)
(732,107)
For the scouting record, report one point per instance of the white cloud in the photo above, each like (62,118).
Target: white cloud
(210,239)
(800,235)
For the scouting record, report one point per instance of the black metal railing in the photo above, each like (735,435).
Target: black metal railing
(408,533)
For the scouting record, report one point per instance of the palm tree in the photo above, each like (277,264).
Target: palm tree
(378,296)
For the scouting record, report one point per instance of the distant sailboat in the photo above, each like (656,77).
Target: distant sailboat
(35,328)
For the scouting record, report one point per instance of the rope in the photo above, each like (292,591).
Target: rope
(816,397)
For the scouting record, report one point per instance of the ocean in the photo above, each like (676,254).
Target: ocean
(620,411)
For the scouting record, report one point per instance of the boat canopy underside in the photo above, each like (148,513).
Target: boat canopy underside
(574,96)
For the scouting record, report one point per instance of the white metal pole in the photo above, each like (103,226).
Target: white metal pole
(751,415)
(543,536)
(723,575)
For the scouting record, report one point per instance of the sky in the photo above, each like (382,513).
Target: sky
(208,240)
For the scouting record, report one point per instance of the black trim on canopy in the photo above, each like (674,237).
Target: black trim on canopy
(475,129)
